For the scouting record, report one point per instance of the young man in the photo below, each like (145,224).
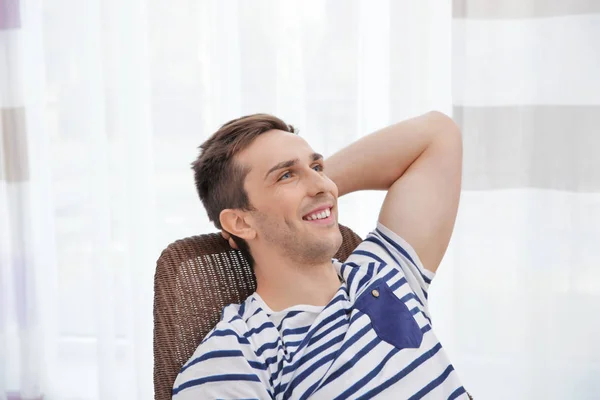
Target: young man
(316,328)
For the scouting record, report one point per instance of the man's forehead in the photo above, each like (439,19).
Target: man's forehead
(274,147)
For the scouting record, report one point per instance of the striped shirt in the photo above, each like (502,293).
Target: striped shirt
(373,339)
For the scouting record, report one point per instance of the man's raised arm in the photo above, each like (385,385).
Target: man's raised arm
(419,163)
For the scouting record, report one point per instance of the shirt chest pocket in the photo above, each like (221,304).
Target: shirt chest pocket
(390,318)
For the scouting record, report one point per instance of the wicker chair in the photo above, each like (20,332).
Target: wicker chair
(195,278)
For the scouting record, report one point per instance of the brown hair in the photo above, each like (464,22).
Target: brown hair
(219,179)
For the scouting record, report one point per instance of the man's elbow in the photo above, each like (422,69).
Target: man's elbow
(444,124)
(447,140)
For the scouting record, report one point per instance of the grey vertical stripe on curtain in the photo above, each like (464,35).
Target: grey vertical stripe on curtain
(15,166)
(510,9)
(14,169)
(538,146)
(10,16)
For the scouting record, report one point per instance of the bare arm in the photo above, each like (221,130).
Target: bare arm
(419,163)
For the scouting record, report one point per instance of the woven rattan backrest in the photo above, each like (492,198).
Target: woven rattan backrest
(195,278)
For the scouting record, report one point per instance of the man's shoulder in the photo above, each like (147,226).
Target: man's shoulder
(234,323)
(234,327)
(223,339)
(225,355)
(381,255)
(223,336)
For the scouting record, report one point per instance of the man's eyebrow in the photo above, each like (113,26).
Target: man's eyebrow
(281,165)
(290,163)
(316,156)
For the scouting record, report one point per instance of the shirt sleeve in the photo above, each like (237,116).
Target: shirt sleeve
(383,247)
(220,369)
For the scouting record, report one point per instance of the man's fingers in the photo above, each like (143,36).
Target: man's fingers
(227,236)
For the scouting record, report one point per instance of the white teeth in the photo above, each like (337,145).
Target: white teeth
(324,214)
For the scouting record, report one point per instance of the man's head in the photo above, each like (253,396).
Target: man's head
(261,182)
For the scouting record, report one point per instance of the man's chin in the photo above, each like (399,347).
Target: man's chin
(334,241)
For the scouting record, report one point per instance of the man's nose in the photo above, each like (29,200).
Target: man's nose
(317,183)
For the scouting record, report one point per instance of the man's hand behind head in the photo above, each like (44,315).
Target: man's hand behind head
(227,236)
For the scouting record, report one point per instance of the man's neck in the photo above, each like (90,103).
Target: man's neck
(282,285)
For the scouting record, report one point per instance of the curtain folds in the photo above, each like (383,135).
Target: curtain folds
(103,105)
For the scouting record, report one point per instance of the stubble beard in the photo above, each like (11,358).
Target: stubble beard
(298,245)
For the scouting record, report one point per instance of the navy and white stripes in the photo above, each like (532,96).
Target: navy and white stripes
(360,345)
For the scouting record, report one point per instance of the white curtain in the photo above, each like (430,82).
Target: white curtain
(104,103)
(518,299)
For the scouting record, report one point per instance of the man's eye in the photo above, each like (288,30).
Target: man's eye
(318,167)
(284,176)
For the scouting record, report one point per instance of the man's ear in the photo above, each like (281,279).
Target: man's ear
(234,222)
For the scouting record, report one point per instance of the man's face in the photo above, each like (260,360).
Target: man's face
(295,202)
